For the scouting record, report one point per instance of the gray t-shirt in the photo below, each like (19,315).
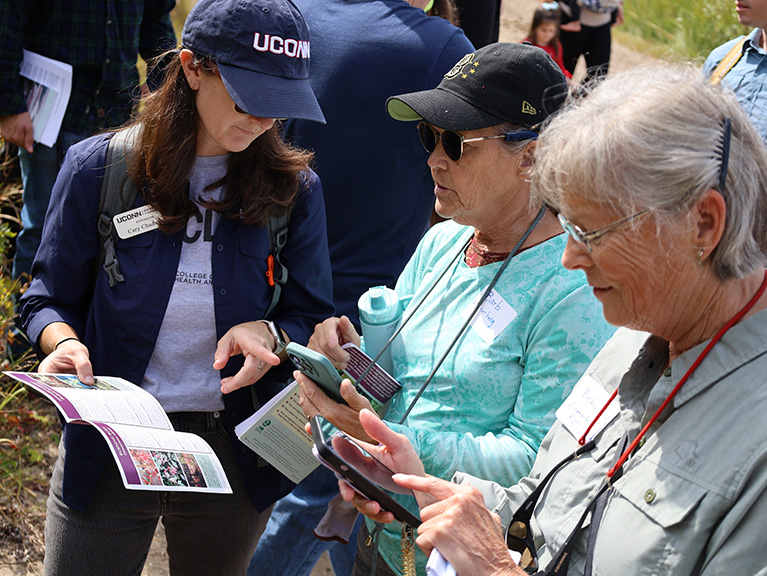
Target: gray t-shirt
(180,373)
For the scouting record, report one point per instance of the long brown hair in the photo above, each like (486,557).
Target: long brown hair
(445,9)
(261,181)
(542,15)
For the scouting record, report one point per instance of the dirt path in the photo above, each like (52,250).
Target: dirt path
(515,20)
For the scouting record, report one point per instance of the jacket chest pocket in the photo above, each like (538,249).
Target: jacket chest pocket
(650,525)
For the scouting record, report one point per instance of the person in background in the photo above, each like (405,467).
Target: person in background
(544,33)
(480,20)
(591,36)
(671,233)
(740,63)
(487,406)
(208,158)
(101,42)
(444,9)
(379,196)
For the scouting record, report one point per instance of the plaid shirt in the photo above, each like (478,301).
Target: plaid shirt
(101,40)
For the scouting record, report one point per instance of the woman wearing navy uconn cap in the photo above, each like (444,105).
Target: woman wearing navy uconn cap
(205,154)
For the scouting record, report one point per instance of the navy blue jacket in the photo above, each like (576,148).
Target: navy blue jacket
(377,185)
(120,325)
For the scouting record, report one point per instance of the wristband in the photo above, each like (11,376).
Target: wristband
(279,340)
(60,342)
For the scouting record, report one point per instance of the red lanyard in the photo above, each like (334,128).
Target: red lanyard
(734,320)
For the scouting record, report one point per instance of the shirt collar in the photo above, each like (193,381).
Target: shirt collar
(754,41)
(741,344)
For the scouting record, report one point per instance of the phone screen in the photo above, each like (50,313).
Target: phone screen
(356,456)
(361,470)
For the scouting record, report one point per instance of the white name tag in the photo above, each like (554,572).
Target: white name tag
(494,315)
(136,221)
(583,405)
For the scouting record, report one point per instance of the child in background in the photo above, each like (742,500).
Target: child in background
(544,33)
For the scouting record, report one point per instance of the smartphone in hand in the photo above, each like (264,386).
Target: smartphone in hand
(367,475)
(317,367)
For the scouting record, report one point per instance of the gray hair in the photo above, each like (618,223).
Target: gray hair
(652,137)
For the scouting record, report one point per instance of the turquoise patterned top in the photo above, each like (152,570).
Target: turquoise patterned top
(493,399)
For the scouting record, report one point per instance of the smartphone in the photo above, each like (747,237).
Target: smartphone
(317,367)
(367,475)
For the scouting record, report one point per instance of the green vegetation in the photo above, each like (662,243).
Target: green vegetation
(678,29)
(28,425)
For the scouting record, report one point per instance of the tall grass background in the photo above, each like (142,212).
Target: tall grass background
(678,29)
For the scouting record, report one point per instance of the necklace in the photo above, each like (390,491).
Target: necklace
(478,254)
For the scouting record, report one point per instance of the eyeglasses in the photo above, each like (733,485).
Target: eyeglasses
(584,239)
(452,142)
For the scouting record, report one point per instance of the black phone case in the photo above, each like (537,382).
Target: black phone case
(361,483)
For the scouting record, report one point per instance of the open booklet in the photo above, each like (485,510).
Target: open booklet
(149,453)
(276,431)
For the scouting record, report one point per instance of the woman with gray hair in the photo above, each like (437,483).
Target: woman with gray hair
(659,180)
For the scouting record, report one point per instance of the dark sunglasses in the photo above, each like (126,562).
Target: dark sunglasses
(452,142)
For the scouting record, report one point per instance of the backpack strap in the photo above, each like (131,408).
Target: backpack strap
(118,193)
(276,272)
(726,64)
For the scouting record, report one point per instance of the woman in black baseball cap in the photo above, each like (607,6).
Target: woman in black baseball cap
(515,329)
(193,261)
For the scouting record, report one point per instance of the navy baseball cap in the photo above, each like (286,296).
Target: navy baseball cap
(498,83)
(261,48)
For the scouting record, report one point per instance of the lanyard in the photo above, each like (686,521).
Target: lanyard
(734,320)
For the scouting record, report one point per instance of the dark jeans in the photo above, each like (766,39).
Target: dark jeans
(480,20)
(206,533)
(289,534)
(594,43)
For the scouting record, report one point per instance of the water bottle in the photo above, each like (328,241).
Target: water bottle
(380,313)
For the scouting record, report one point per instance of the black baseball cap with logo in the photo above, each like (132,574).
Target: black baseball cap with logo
(501,82)
(261,48)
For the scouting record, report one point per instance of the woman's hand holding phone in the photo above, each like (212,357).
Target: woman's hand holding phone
(454,518)
(395,452)
(330,335)
(343,416)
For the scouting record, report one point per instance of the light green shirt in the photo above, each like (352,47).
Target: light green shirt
(491,403)
(693,499)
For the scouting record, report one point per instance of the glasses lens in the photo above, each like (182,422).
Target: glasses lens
(453,145)
(518,540)
(427,136)
(573,231)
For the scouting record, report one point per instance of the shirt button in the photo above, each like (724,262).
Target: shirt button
(109,21)
(223,292)
(667,372)
(107,60)
(649,496)
(220,247)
